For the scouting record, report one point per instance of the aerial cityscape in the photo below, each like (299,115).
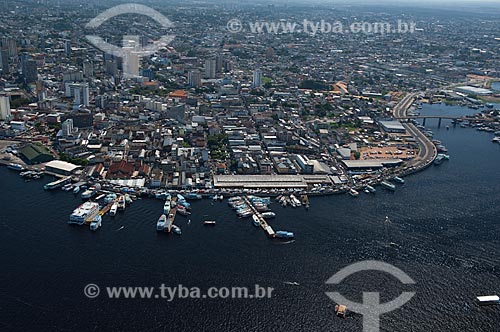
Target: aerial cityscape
(261,145)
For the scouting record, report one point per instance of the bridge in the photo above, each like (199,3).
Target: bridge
(446,117)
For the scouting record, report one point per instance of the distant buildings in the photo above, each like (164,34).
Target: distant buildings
(257,78)
(194,78)
(4,108)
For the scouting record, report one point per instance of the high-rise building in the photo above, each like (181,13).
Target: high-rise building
(10,45)
(80,93)
(257,78)
(219,63)
(4,108)
(67,127)
(67,48)
(29,70)
(210,68)
(4,61)
(194,78)
(88,69)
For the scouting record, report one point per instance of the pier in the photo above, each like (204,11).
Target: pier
(263,223)
(171,216)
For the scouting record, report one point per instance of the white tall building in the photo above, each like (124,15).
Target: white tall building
(257,78)
(4,108)
(210,68)
(80,93)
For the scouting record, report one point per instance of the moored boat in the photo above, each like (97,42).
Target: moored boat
(268,215)
(353,192)
(388,185)
(160,224)
(256,220)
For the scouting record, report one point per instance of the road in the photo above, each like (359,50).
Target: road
(428,151)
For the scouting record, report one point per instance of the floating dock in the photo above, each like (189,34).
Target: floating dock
(263,223)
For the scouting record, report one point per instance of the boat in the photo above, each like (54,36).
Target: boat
(215,198)
(110,198)
(193,196)
(128,199)
(489,105)
(353,193)
(83,212)
(399,180)
(268,215)
(439,159)
(496,140)
(89,193)
(488,300)
(388,185)
(441,148)
(57,184)
(162,221)
(113,210)
(121,203)
(15,167)
(168,205)
(76,190)
(284,235)
(256,220)
(371,189)
(340,310)
(94,225)
(209,223)
(183,211)
(67,187)
(176,229)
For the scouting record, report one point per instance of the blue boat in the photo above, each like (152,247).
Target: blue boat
(284,235)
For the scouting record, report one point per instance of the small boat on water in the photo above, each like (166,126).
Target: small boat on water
(268,215)
(209,223)
(176,229)
(161,223)
(399,180)
(94,225)
(488,300)
(256,220)
(371,189)
(284,235)
(16,167)
(440,158)
(113,210)
(388,185)
(110,198)
(89,193)
(76,190)
(121,203)
(353,193)
(192,196)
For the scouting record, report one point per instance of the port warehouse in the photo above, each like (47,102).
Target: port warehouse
(370,164)
(270,181)
(61,167)
(36,153)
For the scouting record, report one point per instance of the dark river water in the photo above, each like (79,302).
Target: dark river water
(444,219)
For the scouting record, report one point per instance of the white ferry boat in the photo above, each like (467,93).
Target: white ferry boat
(83,212)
